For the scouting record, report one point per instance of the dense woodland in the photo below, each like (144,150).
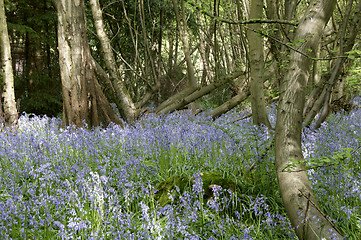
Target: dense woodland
(101,62)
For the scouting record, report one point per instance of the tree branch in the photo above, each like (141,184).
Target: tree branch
(250,21)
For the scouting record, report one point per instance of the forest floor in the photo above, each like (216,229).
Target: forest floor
(149,180)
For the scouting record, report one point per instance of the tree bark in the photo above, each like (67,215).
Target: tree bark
(83,100)
(255,43)
(299,201)
(8,95)
(124,102)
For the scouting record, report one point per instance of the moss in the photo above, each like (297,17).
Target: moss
(209,179)
(169,186)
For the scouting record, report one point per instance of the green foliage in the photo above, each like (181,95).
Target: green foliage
(352,54)
(324,161)
(353,83)
(32,27)
(41,96)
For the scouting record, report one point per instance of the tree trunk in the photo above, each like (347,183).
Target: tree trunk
(83,100)
(191,83)
(8,95)
(202,52)
(255,42)
(182,26)
(299,201)
(338,67)
(124,102)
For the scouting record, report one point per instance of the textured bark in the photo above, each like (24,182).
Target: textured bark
(256,58)
(83,100)
(124,102)
(8,95)
(299,201)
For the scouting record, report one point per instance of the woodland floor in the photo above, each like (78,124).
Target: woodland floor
(107,182)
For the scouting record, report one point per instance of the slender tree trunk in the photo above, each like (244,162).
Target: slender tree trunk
(217,64)
(191,83)
(148,54)
(299,201)
(170,50)
(229,63)
(125,104)
(255,43)
(202,52)
(182,26)
(8,95)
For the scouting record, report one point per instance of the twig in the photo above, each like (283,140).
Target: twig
(319,166)
(251,21)
(242,118)
(320,211)
(295,49)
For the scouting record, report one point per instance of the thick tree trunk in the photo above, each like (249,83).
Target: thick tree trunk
(83,100)
(8,95)
(124,102)
(299,201)
(255,42)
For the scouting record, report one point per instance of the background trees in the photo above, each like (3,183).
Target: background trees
(33,37)
(149,52)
